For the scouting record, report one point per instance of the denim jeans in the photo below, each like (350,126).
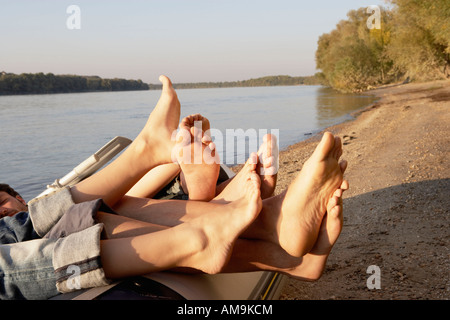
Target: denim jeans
(41,268)
(17,228)
(27,270)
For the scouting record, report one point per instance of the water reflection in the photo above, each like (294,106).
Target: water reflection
(332,105)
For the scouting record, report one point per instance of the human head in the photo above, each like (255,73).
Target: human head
(10,201)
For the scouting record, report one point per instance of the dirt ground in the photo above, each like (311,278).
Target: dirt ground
(396,213)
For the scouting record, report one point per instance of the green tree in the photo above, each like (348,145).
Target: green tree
(414,41)
(420,46)
(352,57)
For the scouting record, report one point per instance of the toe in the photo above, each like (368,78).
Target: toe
(332,203)
(252,161)
(338,193)
(337,148)
(343,165)
(344,186)
(165,81)
(325,147)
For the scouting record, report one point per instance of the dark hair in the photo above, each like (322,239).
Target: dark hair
(6,188)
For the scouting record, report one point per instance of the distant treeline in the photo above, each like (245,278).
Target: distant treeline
(258,82)
(36,83)
(413,43)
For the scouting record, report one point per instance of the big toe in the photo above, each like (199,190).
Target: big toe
(165,81)
(167,87)
(325,147)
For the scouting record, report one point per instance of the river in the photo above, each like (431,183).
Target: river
(45,136)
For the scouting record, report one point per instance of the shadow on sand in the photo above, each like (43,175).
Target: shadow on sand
(404,231)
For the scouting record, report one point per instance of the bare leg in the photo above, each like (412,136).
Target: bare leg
(116,226)
(154,181)
(152,147)
(293,218)
(203,244)
(283,219)
(173,212)
(255,255)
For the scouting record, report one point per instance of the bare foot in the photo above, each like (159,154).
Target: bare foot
(332,223)
(257,254)
(267,166)
(304,203)
(196,155)
(162,122)
(231,190)
(221,228)
(312,264)
(266,161)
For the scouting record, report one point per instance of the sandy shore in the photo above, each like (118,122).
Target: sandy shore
(396,213)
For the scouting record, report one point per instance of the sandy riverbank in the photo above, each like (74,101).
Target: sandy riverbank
(396,213)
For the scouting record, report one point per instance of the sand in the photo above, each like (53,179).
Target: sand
(396,213)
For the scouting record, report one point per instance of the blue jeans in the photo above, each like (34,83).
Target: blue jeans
(40,268)
(27,270)
(17,228)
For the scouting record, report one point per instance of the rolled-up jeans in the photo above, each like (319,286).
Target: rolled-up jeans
(42,268)
(27,270)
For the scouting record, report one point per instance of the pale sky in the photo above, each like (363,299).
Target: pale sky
(190,40)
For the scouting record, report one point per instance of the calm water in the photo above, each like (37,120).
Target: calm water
(42,137)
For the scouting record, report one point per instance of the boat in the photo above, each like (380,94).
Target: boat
(260,285)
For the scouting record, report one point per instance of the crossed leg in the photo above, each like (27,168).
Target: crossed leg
(247,255)
(291,219)
(204,243)
(211,236)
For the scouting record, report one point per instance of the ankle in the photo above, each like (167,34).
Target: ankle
(195,247)
(151,151)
